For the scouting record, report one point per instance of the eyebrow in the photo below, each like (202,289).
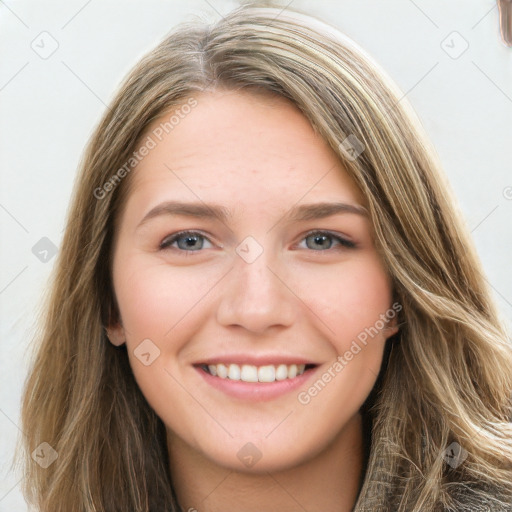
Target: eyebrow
(298,213)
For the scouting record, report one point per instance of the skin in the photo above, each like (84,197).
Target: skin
(259,157)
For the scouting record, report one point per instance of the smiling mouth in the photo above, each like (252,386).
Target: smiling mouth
(251,373)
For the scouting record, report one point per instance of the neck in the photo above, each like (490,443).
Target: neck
(328,482)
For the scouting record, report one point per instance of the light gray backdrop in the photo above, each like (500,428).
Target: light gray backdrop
(60,62)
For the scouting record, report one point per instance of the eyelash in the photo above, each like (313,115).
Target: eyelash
(166,243)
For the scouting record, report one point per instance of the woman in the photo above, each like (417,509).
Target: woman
(323,338)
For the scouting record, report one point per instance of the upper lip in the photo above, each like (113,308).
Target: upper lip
(253,360)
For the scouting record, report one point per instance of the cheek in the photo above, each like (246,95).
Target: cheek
(353,307)
(141,304)
(353,301)
(160,304)
(155,299)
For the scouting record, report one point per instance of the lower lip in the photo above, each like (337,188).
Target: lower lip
(256,391)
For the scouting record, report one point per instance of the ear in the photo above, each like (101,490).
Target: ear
(116,334)
(391,327)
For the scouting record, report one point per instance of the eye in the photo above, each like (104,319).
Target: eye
(323,240)
(191,241)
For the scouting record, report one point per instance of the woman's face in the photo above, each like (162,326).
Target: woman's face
(260,289)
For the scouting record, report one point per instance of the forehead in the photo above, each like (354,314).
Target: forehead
(234,145)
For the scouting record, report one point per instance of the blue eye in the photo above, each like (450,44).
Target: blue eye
(193,241)
(321,238)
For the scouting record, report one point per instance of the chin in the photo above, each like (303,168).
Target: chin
(255,453)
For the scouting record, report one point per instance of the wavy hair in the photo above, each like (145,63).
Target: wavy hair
(446,381)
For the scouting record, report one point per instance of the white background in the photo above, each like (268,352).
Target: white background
(49,107)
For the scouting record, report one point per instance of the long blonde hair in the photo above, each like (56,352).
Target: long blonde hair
(447,382)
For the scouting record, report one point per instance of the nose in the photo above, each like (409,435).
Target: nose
(257,296)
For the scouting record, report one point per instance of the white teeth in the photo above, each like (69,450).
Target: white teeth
(251,373)
(222,371)
(282,372)
(266,373)
(234,372)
